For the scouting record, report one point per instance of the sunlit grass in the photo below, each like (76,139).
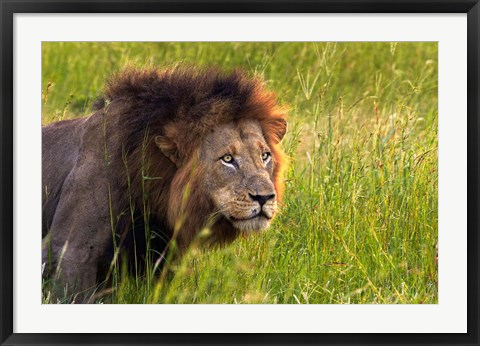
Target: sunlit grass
(359,219)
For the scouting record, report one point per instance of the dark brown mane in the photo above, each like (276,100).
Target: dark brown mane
(193,98)
(183,103)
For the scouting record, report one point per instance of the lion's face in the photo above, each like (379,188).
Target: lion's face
(240,169)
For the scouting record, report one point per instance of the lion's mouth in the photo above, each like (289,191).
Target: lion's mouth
(256,216)
(257,222)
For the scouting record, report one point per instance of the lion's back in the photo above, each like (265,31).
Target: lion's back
(60,145)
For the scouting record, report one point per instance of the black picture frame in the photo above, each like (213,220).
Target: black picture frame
(9,7)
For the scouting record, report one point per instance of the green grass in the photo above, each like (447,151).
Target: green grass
(359,220)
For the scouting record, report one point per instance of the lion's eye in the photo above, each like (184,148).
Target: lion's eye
(227,158)
(266,156)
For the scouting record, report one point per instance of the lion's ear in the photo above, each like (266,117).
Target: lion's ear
(280,129)
(168,148)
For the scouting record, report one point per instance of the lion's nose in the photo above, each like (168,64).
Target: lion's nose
(262,199)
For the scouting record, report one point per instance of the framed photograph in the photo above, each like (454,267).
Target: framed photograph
(255,172)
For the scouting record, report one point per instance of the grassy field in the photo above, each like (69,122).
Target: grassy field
(359,220)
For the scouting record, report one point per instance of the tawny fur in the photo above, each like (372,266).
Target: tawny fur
(139,161)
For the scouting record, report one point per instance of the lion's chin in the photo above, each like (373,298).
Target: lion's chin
(255,224)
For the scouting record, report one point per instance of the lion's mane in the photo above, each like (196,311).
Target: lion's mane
(183,103)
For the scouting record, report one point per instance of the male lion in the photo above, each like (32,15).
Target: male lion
(166,154)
